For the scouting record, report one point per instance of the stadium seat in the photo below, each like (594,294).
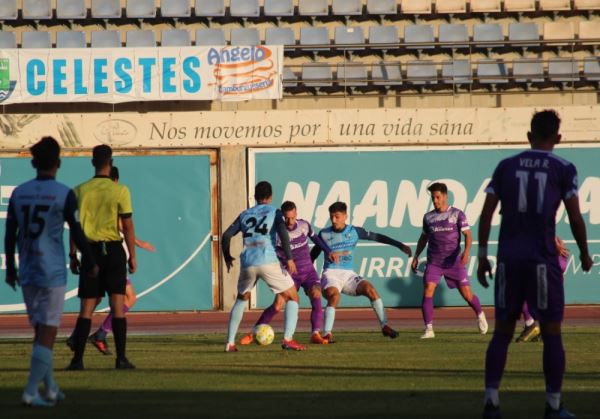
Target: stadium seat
(141,9)
(382,7)
(488,32)
(563,70)
(210,8)
(485,6)
(416,7)
(290,79)
(140,38)
(106,39)
(350,35)
(71,9)
(8,40)
(279,7)
(451,6)
(454,34)
(175,38)
(419,33)
(383,35)
(314,36)
(421,72)
(349,74)
(244,8)
(555,5)
(528,71)
(316,75)
(70,39)
(37,9)
(519,5)
(386,74)
(37,39)
(457,72)
(347,7)
(313,8)
(591,68)
(279,36)
(210,37)
(175,8)
(524,32)
(9,10)
(558,30)
(106,9)
(492,72)
(586,5)
(589,29)
(245,36)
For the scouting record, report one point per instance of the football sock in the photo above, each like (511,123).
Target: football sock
(475,305)
(379,311)
(290,320)
(529,320)
(106,327)
(81,333)
(235,318)
(49,381)
(119,326)
(553,400)
(491,394)
(267,315)
(495,359)
(316,314)
(427,309)
(41,360)
(554,363)
(329,319)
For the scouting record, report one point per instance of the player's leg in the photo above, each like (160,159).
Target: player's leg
(265,318)
(290,296)
(473,301)
(365,288)
(531,330)
(427,309)
(246,281)
(313,292)
(71,339)
(332,295)
(82,331)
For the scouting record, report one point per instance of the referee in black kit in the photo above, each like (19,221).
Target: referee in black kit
(102,203)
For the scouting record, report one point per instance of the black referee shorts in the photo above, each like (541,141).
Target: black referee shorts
(112,277)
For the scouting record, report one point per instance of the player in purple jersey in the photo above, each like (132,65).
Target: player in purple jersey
(300,232)
(442,228)
(530,186)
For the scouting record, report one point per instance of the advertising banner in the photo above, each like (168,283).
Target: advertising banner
(386,191)
(115,75)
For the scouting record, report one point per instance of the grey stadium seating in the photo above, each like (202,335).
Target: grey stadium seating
(212,36)
(106,39)
(70,39)
(245,36)
(421,72)
(175,38)
(36,40)
(71,9)
(37,9)
(175,8)
(106,9)
(210,8)
(140,38)
(8,39)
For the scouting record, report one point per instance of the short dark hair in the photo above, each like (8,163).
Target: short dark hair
(262,191)
(101,156)
(545,124)
(114,173)
(438,187)
(46,153)
(288,206)
(338,207)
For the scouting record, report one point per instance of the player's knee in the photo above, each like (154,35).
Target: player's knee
(314,293)
(245,296)
(429,290)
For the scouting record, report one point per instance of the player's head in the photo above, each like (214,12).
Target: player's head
(114,174)
(439,195)
(263,192)
(288,208)
(102,156)
(338,214)
(46,155)
(544,128)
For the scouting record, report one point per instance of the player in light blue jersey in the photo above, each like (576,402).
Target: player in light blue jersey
(37,212)
(260,226)
(338,272)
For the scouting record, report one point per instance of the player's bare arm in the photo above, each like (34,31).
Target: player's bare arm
(382,238)
(485,222)
(464,257)
(579,232)
(421,243)
(233,229)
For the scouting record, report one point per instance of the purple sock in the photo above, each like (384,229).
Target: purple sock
(495,359)
(554,362)
(316,314)
(107,323)
(267,315)
(427,309)
(526,314)
(475,304)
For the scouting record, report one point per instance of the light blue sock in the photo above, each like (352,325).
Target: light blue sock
(49,377)
(41,360)
(379,311)
(235,318)
(291,319)
(329,319)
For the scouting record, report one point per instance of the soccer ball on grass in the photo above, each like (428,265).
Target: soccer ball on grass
(264,334)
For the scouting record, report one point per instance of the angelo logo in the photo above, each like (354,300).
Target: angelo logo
(7,86)
(242,70)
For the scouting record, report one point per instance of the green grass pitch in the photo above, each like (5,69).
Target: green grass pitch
(362,376)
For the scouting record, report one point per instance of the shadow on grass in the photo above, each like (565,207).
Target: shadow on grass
(92,404)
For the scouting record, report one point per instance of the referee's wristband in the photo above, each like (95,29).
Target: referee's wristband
(482,252)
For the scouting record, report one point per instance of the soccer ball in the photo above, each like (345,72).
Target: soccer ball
(264,334)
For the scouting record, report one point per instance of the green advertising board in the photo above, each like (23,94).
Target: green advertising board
(386,191)
(171,197)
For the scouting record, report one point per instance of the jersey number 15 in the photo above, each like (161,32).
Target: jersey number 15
(34,219)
